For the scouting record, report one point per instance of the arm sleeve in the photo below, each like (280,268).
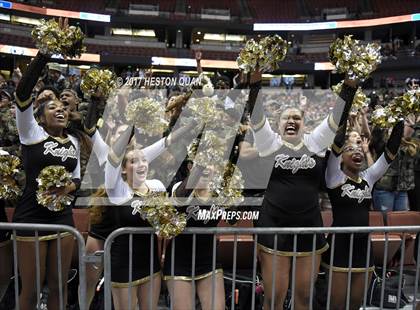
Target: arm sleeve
(154,150)
(321,137)
(92,116)
(394,141)
(29,80)
(376,171)
(255,108)
(29,130)
(117,150)
(341,110)
(191,181)
(117,189)
(266,140)
(333,174)
(100,148)
(340,139)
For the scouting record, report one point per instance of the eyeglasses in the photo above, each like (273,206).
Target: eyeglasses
(352,149)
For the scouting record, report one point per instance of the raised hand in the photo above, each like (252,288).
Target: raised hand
(365,144)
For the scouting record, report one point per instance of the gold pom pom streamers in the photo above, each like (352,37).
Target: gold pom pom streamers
(205,110)
(157,209)
(360,99)
(229,188)
(399,108)
(249,56)
(9,189)
(382,117)
(50,177)
(98,82)
(409,103)
(211,149)
(148,114)
(50,38)
(274,51)
(265,54)
(355,59)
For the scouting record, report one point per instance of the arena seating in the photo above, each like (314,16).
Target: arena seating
(315,7)
(394,7)
(197,5)
(274,11)
(164,5)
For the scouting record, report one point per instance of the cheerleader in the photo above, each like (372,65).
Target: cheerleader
(180,280)
(5,247)
(126,184)
(291,197)
(44,144)
(350,192)
(102,216)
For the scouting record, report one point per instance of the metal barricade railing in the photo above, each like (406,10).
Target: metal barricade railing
(402,231)
(55,229)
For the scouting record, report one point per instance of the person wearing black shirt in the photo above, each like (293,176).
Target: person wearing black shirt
(291,197)
(350,192)
(44,144)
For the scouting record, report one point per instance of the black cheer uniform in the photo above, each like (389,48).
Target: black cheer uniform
(40,150)
(184,246)
(107,224)
(124,210)
(351,200)
(291,198)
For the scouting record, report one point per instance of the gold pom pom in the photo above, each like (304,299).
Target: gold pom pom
(265,54)
(205,110)
(384,117)
(51,39)
(351,57)
(162,215)
(274,50)
(360,100)
(211,149)
(49,177)
(148,114)
(98,82)
(249,56)
(408,103)
(9,189)
(398,109)
(229,189)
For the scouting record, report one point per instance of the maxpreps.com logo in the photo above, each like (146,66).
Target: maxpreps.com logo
(218,213)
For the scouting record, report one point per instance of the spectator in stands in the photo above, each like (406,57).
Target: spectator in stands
(44,94)
(9,139)
(16,76)
(55,77)
(414,130)
(414,194)
(390,193)
(2,80)
(70,99)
